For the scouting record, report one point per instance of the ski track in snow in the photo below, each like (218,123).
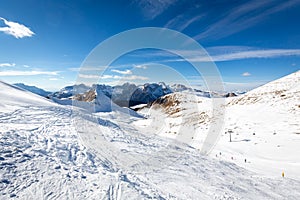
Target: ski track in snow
(42,157)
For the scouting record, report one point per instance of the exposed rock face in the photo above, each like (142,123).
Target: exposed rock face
(125,95)
(88,96)
(230,94)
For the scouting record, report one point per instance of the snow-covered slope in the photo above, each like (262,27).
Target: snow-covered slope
(264,126)
(50,151)
(13,97)
(33,89)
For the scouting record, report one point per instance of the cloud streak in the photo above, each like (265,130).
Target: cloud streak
(153,8)
(246,74)
(116,77)
(181,22)
(219,54)
(270,53)
(242,17)
(15,29)
(140,66)
(27,73)
(125,72)
(7,64)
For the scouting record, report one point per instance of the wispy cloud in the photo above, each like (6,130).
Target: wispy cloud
(53,79)
(77,69)
(246,74)
(134,77)
(116,77)
(140,66)
(129,78)
(27,73)
(7,64)
(15,29)
(242,17)
(88,76)
(182,21)
(218,54)
(125,72)
(74,69)
(153,8)
(269,53)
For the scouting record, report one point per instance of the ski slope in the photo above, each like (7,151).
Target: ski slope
(265,126)
(50,151)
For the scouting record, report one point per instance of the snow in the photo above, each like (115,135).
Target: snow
(33,89)
(265,124)
(51,151)
(9,102)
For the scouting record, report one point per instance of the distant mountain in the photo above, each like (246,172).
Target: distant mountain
(125,95)
(180,88)
(128,94)
(33,89)
(69,91)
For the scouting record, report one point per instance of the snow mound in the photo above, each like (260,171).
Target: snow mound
(13,97)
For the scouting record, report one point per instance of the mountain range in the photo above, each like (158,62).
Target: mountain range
(126,95)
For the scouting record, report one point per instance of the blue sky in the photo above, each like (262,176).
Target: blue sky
(43,43)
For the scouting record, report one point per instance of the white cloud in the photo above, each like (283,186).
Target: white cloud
(77,69)
(140,66)
(242,17)
(181,22)
(27,73)
(88,76)
(106,76)
(134,77)
(153,8)
(15,29)
(129,78)
(246,74)
(74,69)
(7,64)
(125,72)
(53,79)
(269,53)
(26,66)
(239,55)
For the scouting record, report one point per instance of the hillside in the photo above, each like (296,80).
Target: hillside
(264,125)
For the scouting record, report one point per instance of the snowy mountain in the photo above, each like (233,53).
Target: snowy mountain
(69,91)
(264,125)
(125,95)
(50,151)
(33,89)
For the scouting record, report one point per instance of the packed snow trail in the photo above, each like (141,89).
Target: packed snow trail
(56,152)
(42,158)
